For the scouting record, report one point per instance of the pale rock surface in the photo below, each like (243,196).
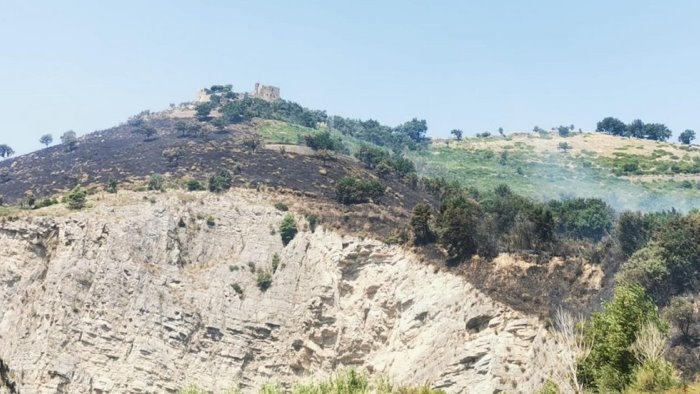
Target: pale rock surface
(135,297)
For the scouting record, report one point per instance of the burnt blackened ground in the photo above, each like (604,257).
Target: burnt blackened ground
(121,154)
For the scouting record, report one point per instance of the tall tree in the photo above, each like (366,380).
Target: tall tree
(70,140)
(612,126)
(457,133)
(414,129)
(686,137)
(46,139)
(6,151)
(635,129)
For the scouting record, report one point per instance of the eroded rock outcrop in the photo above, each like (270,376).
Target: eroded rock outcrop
(131,296)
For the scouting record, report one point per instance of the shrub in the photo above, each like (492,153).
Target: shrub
(77,198)
(263,279)
(112,185)
(682,314)
(324,141)
(156,182)
(611,363)
(313,221)
(458,224)
(280,206)
(211,221)
(632,231)
(649,268)
(46,139)
(420,223)
(194,185)
(583,217)
(350,190)
(252,143)
(288,229)
(275,262)
(70,140)
(371,156)
(237,288)
(46,202)
(220,182)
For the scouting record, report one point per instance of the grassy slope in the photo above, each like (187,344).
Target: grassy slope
(534,165)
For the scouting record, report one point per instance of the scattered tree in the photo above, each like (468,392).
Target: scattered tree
(46,139)
(420,223)
(500,131)
(563,131)
(681,312)
(686,137)
(457,133)
(6,151)
(70,140)
(612,126)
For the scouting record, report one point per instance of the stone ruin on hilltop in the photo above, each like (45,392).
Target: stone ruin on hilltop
(263,92)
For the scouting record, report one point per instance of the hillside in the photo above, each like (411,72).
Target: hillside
(139,296)
(239,241)
(629,173)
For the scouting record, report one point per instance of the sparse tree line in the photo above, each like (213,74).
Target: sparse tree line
(638,129)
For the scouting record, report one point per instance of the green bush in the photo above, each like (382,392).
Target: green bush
(77,198)
(280,206)
(583,217)
(194,185)
(351,190)
(458,224)
(112,185)
(211,221)
(420,223)
(288,229)
(313,221)
(653,377)
(263,279)
(237,288)
(325,141)
(611,363)
(156,182)
(220,182)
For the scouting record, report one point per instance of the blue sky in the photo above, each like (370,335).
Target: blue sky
(474,65)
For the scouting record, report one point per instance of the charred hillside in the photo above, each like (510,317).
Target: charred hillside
(124,154)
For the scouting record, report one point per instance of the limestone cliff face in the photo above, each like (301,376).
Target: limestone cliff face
(135,296)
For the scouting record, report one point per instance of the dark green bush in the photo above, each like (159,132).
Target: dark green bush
(280,206)
(220,182)
(263,279)
(288,229)
(420,223)
(77,198)
(194,185)
(350,190)
(325,141)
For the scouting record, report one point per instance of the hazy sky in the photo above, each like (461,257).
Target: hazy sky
(474,65)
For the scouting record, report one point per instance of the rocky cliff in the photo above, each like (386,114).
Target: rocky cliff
(135,296)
